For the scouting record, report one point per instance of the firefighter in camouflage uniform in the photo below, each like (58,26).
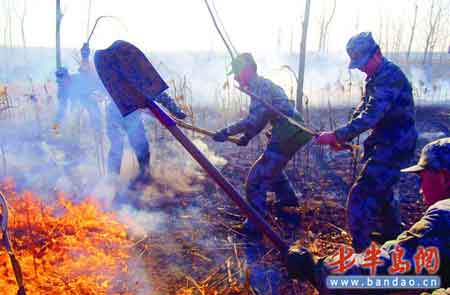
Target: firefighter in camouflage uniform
(387,109)
(267,173)
(430,232)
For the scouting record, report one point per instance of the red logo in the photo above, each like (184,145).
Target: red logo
(343,260)
(399,265)
(425,258)
(372,259)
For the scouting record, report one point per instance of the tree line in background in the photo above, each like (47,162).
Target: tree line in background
(430,32)
(420,35)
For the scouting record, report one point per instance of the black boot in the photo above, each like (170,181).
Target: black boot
(142,179)
(288,212)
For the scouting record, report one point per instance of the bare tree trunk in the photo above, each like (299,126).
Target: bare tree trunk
(88,26)
(302,55)
(413,30)
(7,39)
(22,30)
(429,35)
(434,25)
(437,33)
(58,34)
(324,25)
(397,40)
(10,32)
(321,32)
(325,35)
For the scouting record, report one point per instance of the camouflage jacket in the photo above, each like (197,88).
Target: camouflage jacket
(259,116)
(432,230)
(388,110)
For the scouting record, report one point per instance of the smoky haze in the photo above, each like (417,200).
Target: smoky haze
(180,41)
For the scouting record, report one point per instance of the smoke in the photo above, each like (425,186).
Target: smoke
(428,86)
(142,222)
(202,74)
(206,72)
(45,161)
(218,161)
(48,162)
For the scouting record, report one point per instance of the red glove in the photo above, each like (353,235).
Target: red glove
(327,138)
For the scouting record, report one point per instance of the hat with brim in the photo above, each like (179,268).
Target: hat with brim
(434,156)
(240,62)
(421,165)
(360,49)
(359,62)
(413,169)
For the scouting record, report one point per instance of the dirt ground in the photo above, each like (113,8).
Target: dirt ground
(199,252)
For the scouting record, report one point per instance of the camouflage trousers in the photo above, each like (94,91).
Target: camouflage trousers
(371,206)
(267,175)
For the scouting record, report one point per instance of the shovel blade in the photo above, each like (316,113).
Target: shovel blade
(128,76)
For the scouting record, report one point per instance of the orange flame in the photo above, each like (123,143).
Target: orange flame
(65,248)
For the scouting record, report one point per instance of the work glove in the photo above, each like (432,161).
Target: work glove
(300,264)
(61,74)
(243,140)
(85,51)
(221,135)
(179,114)
(327,138)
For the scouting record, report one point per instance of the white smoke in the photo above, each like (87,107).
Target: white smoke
(142,222)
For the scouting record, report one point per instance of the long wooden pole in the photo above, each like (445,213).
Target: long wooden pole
(7,244)
(188,126)
(212,171)
(278,112)
(308,130)
(102,64)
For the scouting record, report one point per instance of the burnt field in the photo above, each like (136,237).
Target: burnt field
(201,251)
(92,203)
(77,230)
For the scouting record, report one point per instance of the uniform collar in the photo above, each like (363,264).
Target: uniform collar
(253,82)
(378,70)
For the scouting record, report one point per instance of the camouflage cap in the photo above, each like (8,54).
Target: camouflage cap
(240,62)
(434,156)
(361,48)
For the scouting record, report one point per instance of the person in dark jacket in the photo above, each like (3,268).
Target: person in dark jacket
(387,109)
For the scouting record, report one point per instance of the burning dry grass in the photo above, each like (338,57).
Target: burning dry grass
(65,248)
